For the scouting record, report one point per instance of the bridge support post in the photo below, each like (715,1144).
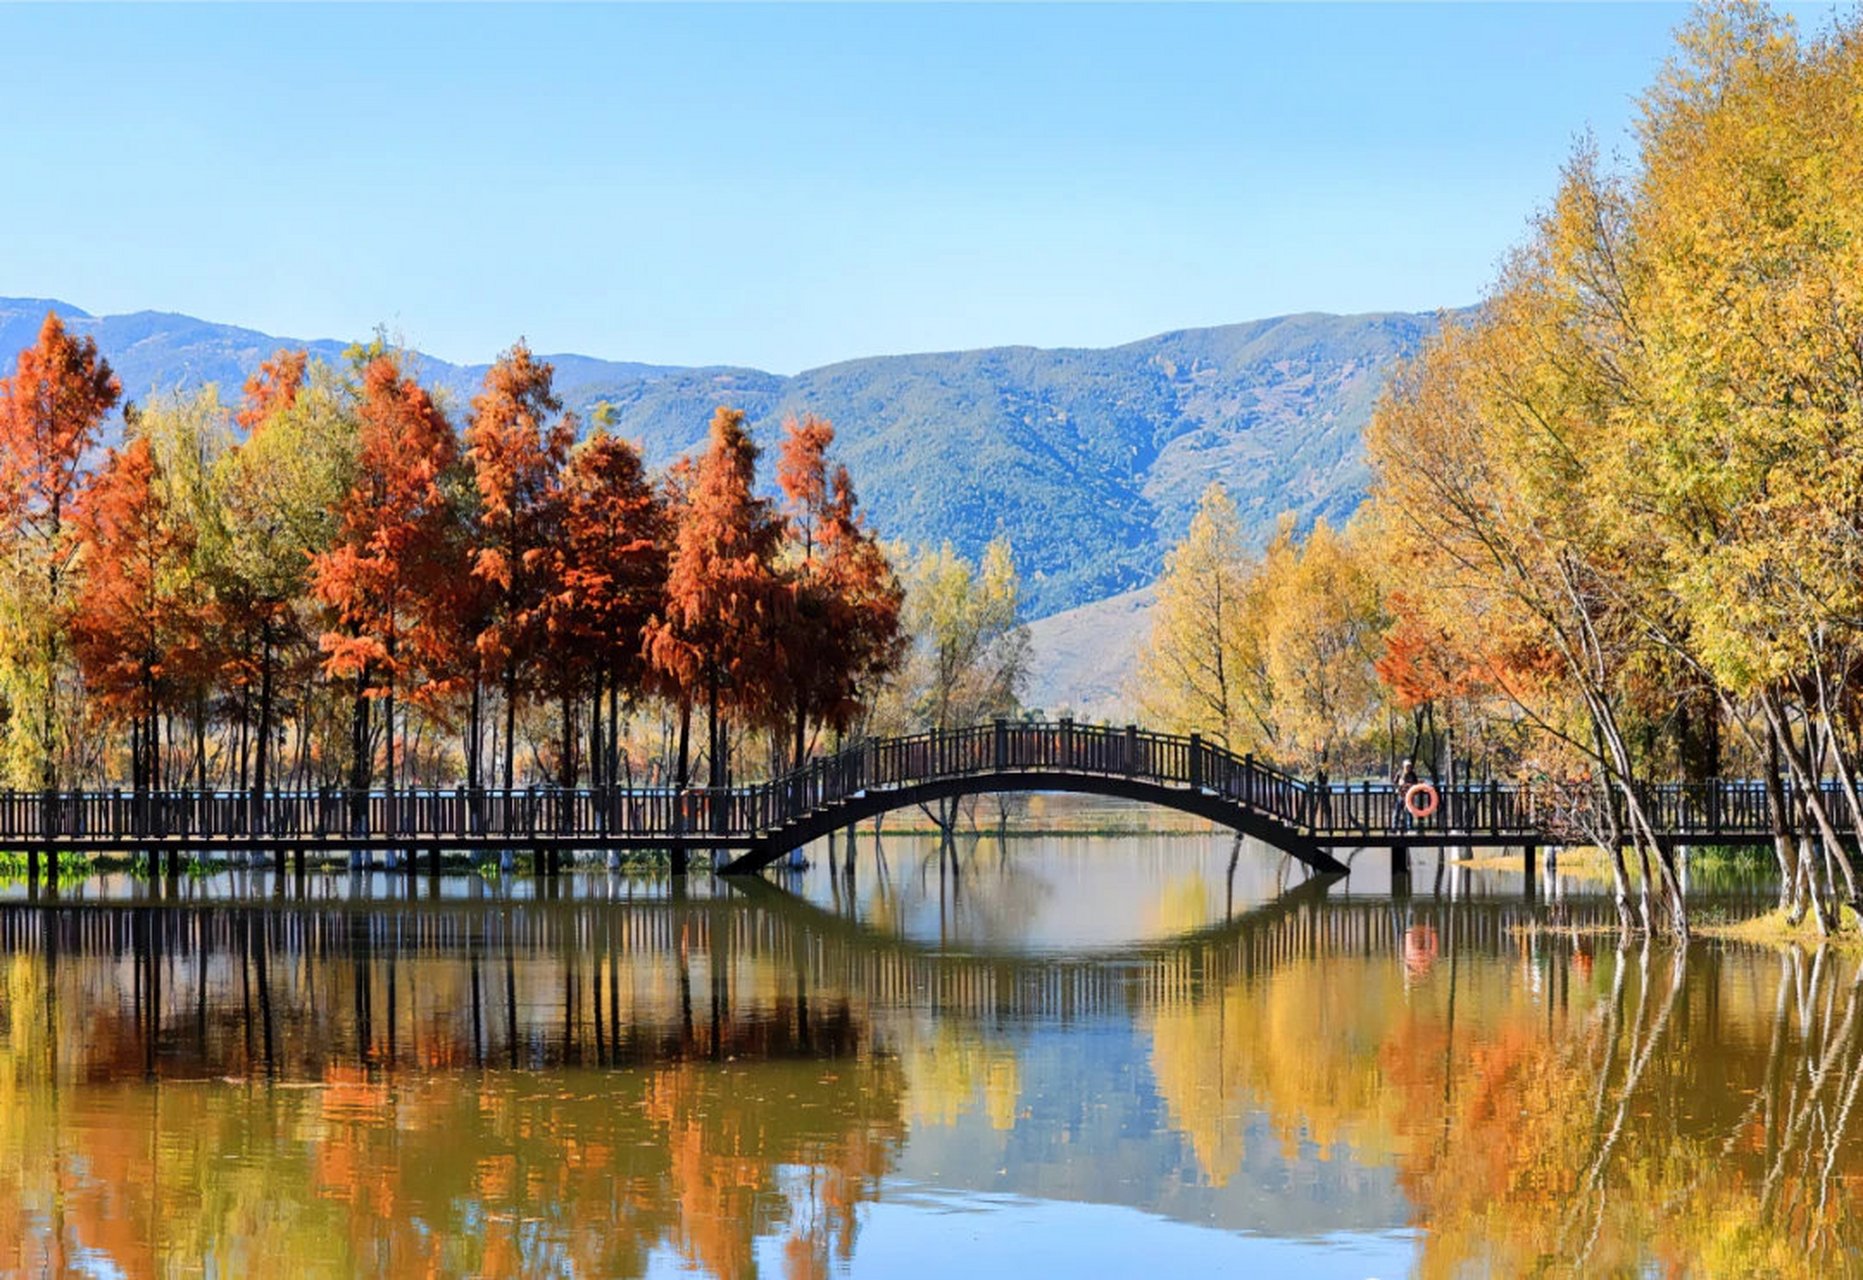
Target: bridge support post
(677,859)
(1531,854)
(32,866)
(1400,863)
(297,861)
(278,862)
(433,861)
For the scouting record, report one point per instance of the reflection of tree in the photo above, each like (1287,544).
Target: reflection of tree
(951,1068)
(570,1174)
(1304,1036)
(394,1163)
(1671,1111)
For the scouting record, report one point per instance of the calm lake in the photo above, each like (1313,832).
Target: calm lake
(1086,1055)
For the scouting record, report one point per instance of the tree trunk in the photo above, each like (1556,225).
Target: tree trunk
(262,760)
(684,776)
(597,777)
(475,714)
(1783,836)
(716,762)
(510,727)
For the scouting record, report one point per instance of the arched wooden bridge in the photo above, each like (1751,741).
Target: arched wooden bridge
(760,822)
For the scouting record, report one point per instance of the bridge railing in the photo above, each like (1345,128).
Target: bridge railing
(489,816)
(330,815)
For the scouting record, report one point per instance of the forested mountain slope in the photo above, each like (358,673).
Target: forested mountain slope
(1090,460)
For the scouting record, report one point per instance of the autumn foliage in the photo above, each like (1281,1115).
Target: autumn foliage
(332,584)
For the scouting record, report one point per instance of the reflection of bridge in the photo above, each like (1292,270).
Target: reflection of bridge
(233,983)
(764,820)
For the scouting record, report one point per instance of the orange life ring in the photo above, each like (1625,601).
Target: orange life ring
(1420,800)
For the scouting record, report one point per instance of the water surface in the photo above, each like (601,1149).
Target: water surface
(1109,1055)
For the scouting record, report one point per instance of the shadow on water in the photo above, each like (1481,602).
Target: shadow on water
(750,1079)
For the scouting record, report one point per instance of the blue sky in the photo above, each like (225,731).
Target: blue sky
(787,186)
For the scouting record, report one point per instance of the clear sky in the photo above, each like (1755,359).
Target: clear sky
(785,187)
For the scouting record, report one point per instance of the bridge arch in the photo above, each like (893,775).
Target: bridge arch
(858,806)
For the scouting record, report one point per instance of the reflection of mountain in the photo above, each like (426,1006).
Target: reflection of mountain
(726,1082)
(1092,1128)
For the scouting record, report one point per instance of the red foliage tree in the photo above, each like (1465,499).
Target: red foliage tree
(135,619)
(841,632)
(614,583)
(50,410)
(272,387)
(518,441)
(716,632)
(390,550)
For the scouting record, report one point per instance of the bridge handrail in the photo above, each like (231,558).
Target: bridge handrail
(757,809)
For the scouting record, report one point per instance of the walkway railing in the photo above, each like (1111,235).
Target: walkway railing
(1166,765)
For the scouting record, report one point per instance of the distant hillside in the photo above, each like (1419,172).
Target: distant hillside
(1083,661)
(1089,460)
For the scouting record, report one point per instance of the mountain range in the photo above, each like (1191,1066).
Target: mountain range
(1089,460)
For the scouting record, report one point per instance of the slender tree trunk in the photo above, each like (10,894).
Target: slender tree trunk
(568,767)
(262,759)
(614,731)
(596,776)
(361,766)
(716,762)
(684,777)
(474,714)
(510,726)
(200,741)
(1808,782)
(1783,835)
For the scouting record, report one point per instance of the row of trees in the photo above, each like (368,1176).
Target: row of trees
(1617,516)
(1274,653)
(331,582)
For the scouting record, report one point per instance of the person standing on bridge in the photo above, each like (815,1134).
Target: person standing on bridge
(1401,782)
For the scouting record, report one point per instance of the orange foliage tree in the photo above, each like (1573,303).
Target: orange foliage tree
(841,631)
(273,386)
(50,410)
(614,582)
(390,550)
(137,616)
(518,442)
(716,634)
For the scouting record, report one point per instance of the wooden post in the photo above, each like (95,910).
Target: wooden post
(1532,855)
(1400,861)
(1196,762)
(1001,733)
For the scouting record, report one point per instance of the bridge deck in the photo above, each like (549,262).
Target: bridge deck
(764,820)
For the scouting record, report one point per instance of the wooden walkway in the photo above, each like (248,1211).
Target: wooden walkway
(762,821)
